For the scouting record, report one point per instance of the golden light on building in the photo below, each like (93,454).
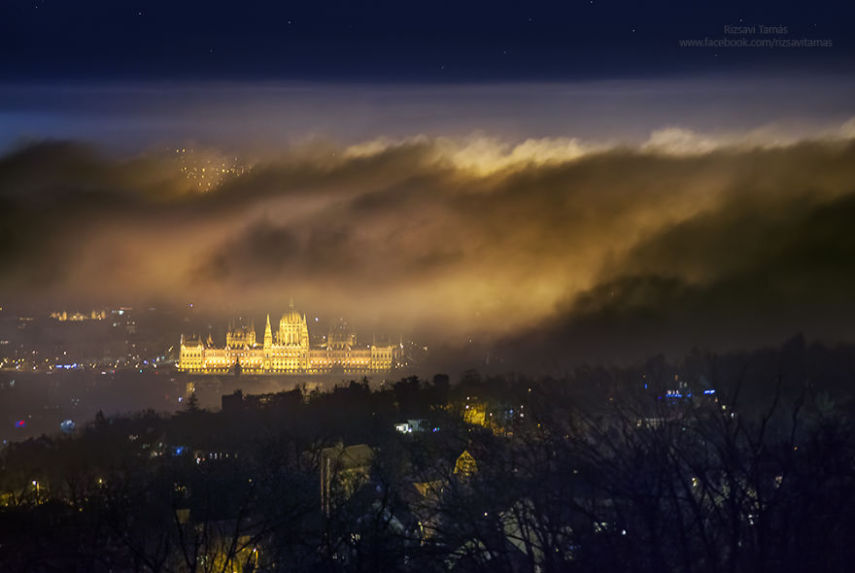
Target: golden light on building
(475,413)
(287,351)
(465,465)
(65,316)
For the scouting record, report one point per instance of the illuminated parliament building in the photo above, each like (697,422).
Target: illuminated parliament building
(288,352)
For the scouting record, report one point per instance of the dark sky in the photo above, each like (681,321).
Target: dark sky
(408,41)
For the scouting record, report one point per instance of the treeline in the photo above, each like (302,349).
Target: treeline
(721,463)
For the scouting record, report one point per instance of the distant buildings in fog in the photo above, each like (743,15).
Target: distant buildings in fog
(65,316)
(207,169)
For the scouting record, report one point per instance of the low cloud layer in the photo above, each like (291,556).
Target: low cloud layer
(685,237)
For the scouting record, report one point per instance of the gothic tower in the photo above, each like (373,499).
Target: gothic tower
(268,335)
(268,344)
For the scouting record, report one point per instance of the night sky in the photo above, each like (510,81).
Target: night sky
(560,175)
(405,41)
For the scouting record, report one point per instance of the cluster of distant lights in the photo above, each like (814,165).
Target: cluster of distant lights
(678,394)
(407,428)
(207,172)
(65,316)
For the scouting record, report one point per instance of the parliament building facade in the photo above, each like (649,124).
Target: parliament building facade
(288,352)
